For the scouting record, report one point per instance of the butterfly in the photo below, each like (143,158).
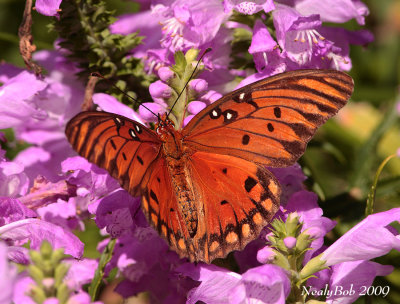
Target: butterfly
(206,188)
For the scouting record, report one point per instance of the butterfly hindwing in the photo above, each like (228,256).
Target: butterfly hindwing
(160,206)
(235,200)
(125,148)
(272,120)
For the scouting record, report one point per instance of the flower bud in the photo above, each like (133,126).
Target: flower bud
(165,74)
(60,272)
(35,273)
(37,294)
(63,293)
(211,96)
(159,89)
(198,85)
(290,242)
(146,114)
(292,224)
(313,266)
(266,255)
(51,301)
(196,106)
(304,241)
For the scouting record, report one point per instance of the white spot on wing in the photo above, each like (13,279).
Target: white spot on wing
(118,120)
(214,113)
(241,96)
(228,116)
(132,133)
(137,128)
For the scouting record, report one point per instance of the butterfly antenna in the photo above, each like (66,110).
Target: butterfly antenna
(96,74)
(190,78)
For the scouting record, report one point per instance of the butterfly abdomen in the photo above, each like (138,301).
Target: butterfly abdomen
(184,192)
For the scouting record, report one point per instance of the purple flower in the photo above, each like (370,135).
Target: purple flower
(16,96)
(354,276)
(264,284)
(144,23)
(148,264)
(190,23)
(48,7)
(42,113)
(8,274)
(337,11)
(297,35)
(21,287)
(266,54)
(117,213)
(249,7)
(110,104)
(369,239)
(36,231)
(92,182)
(13,180)
(12,210)
(44,192)
(337,55)
(81,272)
(306,205)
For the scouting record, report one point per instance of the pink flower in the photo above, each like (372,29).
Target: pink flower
(369,239)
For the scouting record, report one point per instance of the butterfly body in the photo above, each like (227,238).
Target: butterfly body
(205,188)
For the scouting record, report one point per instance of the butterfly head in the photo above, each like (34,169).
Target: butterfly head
(164,126)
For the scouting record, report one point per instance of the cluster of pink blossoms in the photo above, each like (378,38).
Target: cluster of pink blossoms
(47,191)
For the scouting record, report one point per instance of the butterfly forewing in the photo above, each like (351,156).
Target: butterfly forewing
(122,146)
(270,121)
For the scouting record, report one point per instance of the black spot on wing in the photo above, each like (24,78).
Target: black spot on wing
(230,115)
(277,112)
(113,144)
(224,202)
(154,197)
(270,127)
(133,135)
(245,139)
(215,113)
(249,183)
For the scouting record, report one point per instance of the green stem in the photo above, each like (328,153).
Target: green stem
(99,274)
(371,195)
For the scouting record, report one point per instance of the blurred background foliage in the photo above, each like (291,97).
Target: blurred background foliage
(342,159)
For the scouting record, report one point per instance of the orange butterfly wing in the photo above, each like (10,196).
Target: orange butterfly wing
(270,121)
(159,204)
(238,198)
(234,199)
(125,148)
